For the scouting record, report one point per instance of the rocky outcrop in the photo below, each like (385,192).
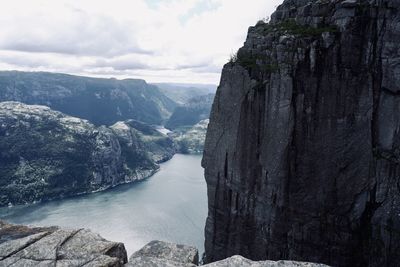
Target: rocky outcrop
(239,261)
(45,154)
(158,253)
(101,101)
(52,246)
(22,246)
(302,152)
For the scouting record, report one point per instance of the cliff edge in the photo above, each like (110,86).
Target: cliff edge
(302,151)
(22,246)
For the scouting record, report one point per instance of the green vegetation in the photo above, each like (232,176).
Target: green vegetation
(263,64)
(190,140)
(292,27)
(254,62)
(46,155)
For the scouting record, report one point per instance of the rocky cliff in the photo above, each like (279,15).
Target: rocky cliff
(101,101)
(45,154)
(302,152)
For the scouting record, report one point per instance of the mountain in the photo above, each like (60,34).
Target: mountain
(196,109)
(136,136)
(302,154)
(182,93)
(101,101)
(190,140)
(45,154)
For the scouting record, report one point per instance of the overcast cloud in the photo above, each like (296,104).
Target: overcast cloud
(156,40)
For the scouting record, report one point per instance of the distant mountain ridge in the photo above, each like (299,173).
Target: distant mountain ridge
(181,93)
(101,101)
(195,110)
(63,135)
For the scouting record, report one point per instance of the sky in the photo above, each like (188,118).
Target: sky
(180,41)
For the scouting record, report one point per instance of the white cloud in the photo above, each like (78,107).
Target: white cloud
(157,40)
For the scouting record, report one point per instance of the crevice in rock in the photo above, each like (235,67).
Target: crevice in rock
(27,245)
(74,233)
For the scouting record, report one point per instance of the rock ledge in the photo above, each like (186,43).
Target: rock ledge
(22,246)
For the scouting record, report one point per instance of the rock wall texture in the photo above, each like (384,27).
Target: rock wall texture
(21,246)
(158,253)
(239,261)
(302,155)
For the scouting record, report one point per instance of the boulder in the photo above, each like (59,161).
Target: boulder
(53,246)
(239,261)
(166,254)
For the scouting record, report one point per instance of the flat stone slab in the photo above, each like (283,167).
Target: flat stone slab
(53,246)
(180,254)
(155,262)
(239,261)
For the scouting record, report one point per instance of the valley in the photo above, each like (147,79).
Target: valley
(292,160)
(55,147)
(170,206)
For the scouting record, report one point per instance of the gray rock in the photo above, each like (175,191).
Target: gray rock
(169,252)
(155,262)
(22,246)
(239,261)
(57,247)
(349,3)
(302,154)
(8,248)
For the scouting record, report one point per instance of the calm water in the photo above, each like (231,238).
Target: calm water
(169,206)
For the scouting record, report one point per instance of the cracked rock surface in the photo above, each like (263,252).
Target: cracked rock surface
(302,155)
(52,246)
(158,253)
(22,246)
(239,261)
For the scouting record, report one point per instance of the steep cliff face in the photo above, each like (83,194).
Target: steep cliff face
(45,154)
(302,152)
